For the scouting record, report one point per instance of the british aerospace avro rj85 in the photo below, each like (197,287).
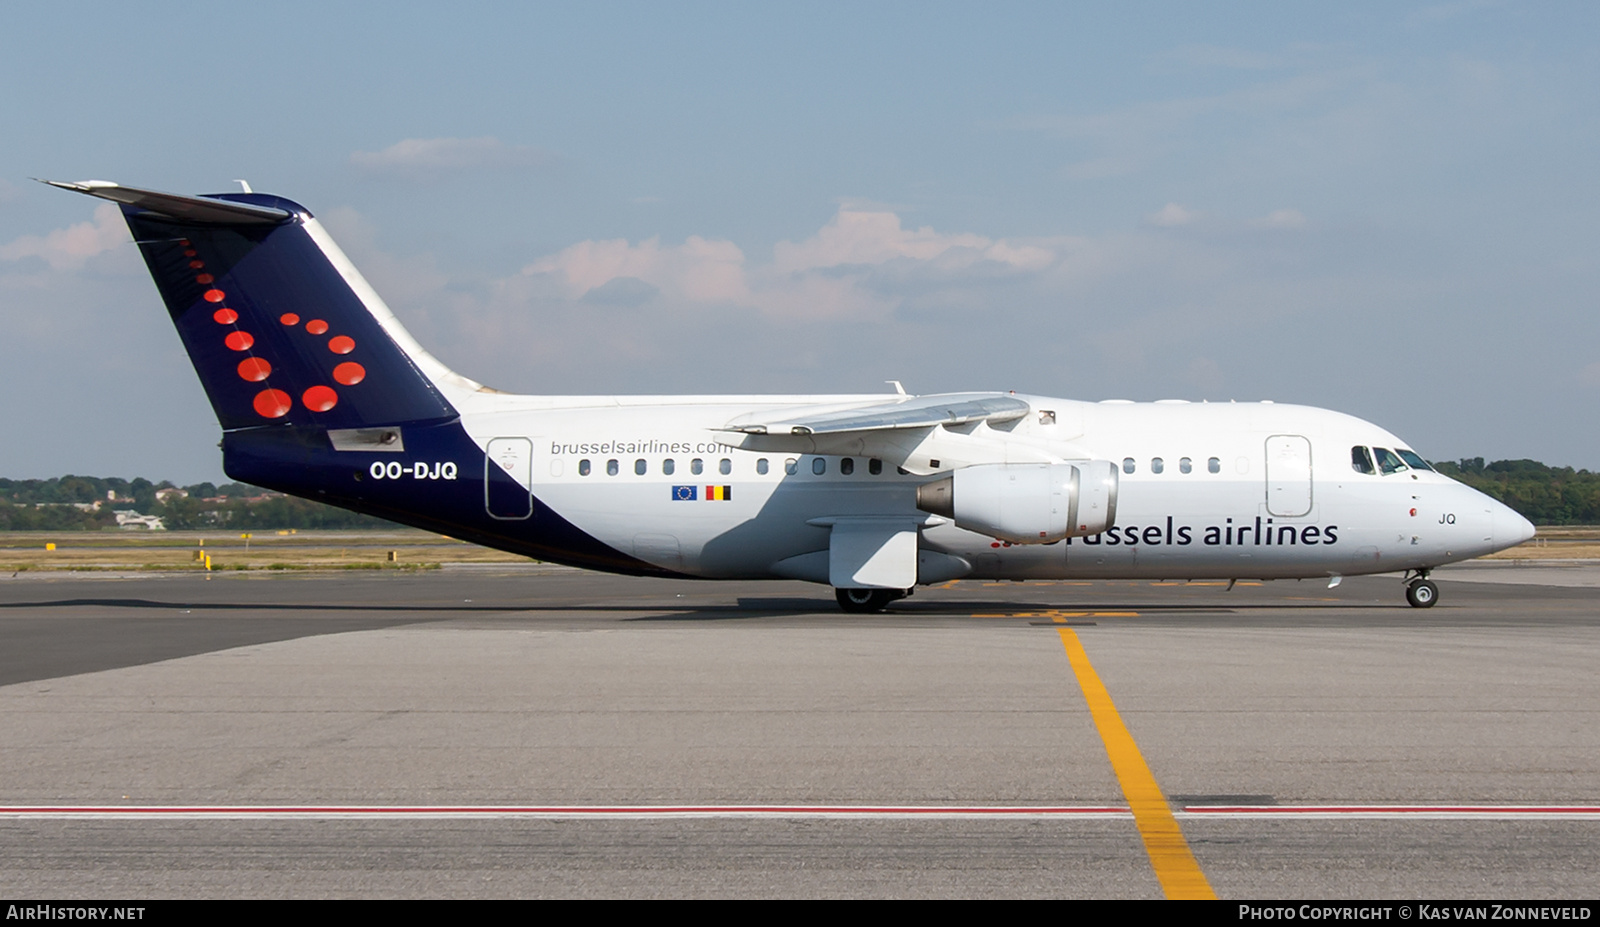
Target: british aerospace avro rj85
(321,393)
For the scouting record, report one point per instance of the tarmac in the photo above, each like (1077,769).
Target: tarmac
(529,731)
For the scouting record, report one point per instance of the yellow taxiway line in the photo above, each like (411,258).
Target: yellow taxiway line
(1175,866)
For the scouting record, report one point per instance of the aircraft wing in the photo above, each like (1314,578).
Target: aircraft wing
(899,413)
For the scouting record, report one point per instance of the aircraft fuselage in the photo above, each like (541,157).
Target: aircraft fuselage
(656,481)
(321,393)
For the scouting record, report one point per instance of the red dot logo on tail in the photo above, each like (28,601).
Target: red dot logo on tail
(255,369)
(349,373)
(319,398)
(215,296)
(225,316)
(272,403)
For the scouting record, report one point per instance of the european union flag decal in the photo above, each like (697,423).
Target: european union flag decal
(684,493)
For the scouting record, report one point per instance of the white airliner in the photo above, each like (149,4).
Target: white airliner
(321,393)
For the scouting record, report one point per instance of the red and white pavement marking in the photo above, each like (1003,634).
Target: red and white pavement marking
(240,812)
(1396,812)
(1192,812)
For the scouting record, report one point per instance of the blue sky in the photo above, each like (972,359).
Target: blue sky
(1387,209)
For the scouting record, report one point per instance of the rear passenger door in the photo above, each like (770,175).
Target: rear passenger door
(508,478)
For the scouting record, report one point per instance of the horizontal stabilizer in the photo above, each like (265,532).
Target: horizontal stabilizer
(281,330)
(182,208)
(911,412)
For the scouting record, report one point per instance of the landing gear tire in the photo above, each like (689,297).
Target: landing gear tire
(861,601)
(1422,593)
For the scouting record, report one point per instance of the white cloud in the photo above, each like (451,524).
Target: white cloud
(1140,313)
(1171,216)
(828,275)
(1275,119)
(417,275)
(433,156)
(70,248)
(699,270)
(1281,219)
(860,237)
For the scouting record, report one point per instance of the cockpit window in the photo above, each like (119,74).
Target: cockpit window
(1361,460)
(1410,457)
(1387,461)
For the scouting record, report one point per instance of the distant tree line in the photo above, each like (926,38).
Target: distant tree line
(1543,494)
(89,503)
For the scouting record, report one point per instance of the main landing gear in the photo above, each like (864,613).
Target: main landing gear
(1422,592)
(860,601)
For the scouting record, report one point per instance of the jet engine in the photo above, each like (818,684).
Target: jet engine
(1027,503)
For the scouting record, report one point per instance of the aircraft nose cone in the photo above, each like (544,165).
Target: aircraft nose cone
(1510,528)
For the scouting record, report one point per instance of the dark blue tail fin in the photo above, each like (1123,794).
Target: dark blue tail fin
(271,320)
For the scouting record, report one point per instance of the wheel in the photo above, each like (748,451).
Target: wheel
(864,600)
(1422,593)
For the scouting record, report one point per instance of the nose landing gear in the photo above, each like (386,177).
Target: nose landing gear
(1422,592)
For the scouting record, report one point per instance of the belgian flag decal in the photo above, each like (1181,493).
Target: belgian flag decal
(719,493)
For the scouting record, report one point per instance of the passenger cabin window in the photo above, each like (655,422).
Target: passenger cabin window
(1361,460)
(1156,465)
(791,466)
(612,467)
(847,466)
(1128,465)
(725,466)
(697,466)
(669,466)
(1185,465)
(1214,465)
(819,466)
(1387,461)
(761,466)
(874,466)
(583,467)
(640,467)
